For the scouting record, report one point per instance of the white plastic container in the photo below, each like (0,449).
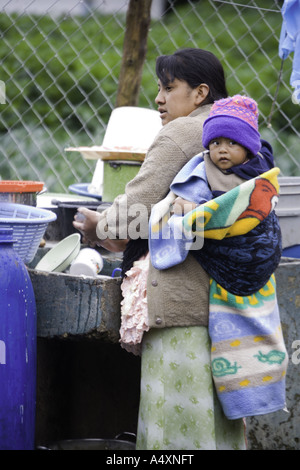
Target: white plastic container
(88,263)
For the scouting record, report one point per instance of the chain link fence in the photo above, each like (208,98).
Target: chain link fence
(60,63)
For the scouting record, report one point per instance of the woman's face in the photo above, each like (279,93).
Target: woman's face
(176,99)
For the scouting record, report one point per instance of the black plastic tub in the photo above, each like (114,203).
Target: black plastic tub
(65,211)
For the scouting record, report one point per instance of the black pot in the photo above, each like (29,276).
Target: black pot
(65,211)
(94,444)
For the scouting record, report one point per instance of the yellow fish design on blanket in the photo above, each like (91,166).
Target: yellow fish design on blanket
(248,354)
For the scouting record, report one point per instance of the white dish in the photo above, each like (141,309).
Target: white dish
(61,256)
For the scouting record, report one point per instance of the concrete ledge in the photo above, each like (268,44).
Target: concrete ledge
(70,306)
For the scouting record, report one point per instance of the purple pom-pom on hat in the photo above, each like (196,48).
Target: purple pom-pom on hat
(235,118)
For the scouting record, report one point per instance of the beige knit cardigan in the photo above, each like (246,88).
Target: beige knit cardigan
(178,296)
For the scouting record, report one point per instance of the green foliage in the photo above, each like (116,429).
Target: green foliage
(247,46)
(37,156)
(52,70)
(61,79)
(64,72)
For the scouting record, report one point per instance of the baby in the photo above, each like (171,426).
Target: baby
(231,137)
(224,153)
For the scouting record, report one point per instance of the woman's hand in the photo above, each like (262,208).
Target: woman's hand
(86,221)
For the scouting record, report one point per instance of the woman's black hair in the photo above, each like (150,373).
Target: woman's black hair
(194,66)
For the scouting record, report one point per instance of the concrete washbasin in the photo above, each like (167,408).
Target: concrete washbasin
(70,306)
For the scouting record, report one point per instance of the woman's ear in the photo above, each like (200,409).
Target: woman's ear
(202,93)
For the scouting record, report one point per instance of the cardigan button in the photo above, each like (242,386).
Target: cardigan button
(158,321)
(154,283)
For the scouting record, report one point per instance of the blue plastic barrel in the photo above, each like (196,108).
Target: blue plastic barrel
(17,349)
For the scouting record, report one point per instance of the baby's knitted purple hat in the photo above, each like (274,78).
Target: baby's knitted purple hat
(236,118)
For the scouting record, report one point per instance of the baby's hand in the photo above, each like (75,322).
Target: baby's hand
(182,206)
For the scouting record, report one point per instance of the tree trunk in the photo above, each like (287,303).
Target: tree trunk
(134,52)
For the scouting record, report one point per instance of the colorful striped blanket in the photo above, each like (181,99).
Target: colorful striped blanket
(236,237)
(248,356)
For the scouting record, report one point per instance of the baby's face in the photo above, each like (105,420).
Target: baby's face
(226,153)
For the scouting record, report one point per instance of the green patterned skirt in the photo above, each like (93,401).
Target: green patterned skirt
(178,407)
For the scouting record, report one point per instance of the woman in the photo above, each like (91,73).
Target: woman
(178,407)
